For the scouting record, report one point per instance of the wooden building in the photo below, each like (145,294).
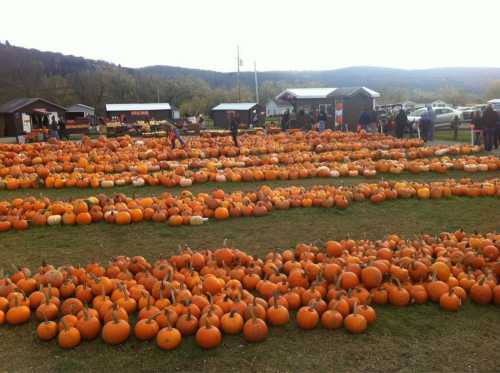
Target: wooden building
(24,115)
(243,111)
(79,118)
(344,105)
(139,112)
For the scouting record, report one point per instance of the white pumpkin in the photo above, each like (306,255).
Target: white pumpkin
(54,220)
(185,182)
(196,220)
(107,184)
(441,152)
(334,173)
(369,173)
(470,167)
(138,182)
(220,178)
(120,182)
(353,173)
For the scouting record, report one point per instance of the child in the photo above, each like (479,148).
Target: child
(173,135)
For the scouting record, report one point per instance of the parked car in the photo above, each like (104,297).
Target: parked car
(495,104)
(444,116)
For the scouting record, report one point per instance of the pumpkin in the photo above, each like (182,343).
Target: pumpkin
(208,336)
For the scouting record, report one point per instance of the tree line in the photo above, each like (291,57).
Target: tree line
(68,80)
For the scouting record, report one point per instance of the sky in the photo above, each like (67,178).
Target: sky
(277,35)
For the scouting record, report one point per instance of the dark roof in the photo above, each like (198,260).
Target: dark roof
(18,103)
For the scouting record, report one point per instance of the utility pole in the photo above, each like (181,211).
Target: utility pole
(256,82)
(158,94)
(238,71)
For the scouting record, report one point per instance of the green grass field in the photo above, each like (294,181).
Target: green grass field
(417,338)
(447,135)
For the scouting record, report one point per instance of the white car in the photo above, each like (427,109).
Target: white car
(444,115)
(495,104)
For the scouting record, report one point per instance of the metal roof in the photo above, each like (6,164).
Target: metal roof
(76,108)
(18,103)
(236,106)
(351,91)
(305,93)
(494,101)
(138,107)
(318,93)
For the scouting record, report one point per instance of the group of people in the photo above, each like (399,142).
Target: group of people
(426,124)
(55,128)
(486,125)
(318,120)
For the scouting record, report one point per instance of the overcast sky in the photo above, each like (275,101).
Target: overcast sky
(279,35)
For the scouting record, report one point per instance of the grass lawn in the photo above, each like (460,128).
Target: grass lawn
(418,338)
(447,135)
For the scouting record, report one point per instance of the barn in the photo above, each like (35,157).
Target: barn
(24,115)
(243,110)
(345,105)
(135,112)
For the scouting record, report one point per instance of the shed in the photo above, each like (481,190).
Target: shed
(25,114)
(243,110)
(274,108)
(344,105)
(79,117)
(137,112)
(79,111)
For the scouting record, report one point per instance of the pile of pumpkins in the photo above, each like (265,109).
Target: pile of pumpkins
(210,293)
(273,167)
(194,209)
(124,161)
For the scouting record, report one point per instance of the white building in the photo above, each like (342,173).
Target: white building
(274,109)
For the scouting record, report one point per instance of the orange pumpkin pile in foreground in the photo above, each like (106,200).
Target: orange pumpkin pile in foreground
(187,208)
(207,294)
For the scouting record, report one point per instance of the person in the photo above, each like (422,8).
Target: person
(432,123)
(53,127)
(373,124)
(254,120)
(489,122)
(455,124)
(364,120)
(233,126)
(61,129)
(174,134)
(425,123)
(322,120)
(477,127)
(284,120)
(497,132)
(401,123)
(45,122)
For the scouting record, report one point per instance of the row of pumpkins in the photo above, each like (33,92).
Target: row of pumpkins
(176,174)
(16,160)
(198,147)
(187,208)
(207,293)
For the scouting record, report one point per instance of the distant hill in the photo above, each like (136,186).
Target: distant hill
(475,80)
(69,79)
